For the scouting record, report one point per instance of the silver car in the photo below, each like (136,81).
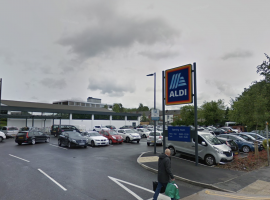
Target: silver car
(10,131)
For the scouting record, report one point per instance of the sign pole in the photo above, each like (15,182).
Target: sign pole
(0,95)
(195,113)
(163,110)
(155,139)
(267,142)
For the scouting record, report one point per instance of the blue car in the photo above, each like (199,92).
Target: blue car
(255,135)
(243,145)
(250,138)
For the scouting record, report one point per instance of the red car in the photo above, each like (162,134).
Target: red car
(112,136)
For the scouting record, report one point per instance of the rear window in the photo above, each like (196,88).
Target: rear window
(21,134)
(152,134)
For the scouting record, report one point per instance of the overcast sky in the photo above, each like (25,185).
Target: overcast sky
(58,50)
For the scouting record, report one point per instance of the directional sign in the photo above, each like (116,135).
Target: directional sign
(155,114)
(178,85)
(179,133)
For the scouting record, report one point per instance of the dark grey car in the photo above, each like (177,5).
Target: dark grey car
(72,139)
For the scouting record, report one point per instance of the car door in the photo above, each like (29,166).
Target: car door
(37,136)
(122,133)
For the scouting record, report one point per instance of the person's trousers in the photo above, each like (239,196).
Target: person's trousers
(159,186)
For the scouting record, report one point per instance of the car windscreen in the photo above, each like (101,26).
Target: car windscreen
(112,132)
(211,139)
(130,131)
(93,134)
(21,134)
(74,134)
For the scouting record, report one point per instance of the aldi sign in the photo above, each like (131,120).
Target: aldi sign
(178,87)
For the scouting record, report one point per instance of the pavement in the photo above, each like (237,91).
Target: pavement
(218,183)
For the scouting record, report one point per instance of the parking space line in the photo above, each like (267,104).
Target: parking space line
(52,180)
(19,158)
(58,147)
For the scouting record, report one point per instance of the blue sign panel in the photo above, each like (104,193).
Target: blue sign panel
(179,133)
(178,85)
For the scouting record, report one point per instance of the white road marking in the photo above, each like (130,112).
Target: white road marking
(53,180)
(19,158)
(58,146)
(117,181)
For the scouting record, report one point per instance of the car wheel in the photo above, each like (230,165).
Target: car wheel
(33,141)
(59,143)
(19,143)
(1,139)
(127,139)
(245,149)
(172,151)
(110,142)
(138,141)
(92,143)
(209,160)
(85,146)
(69,145)
(148,144)
(47,140)
(144,136)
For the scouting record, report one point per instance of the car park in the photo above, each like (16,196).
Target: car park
(113,136)
(229,129)
(210,149)
(98,128)
(31,137)
(230,143)
(72,139)
(95,139)
(10,131)
(56,130)
(255,135)
(249,138)
(151,138)
(126,127)
(220,131)
(2,136)
(129,135)
(243,145)
(110,127)
(143,132)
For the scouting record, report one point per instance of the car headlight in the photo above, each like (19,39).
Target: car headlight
(114,137)
(218,150)
(121,137)
(74,141)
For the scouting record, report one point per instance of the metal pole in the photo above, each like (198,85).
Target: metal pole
(163,109)
(267,142)
(0,95)
(26,122)
(195,113)
(155,139)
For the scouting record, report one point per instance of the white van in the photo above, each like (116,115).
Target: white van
(210,149)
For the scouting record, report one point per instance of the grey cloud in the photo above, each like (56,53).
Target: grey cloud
(117,32)
(111,87)
(237,54)
(53,84)
(223,88)
(159,55)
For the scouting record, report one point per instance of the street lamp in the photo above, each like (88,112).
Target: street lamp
(154,74)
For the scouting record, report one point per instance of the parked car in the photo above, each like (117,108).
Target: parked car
(159,138)
(129,135)
(56,130)
(243,145)
(31,137)
(2,136)
(72,139)
(210,149)
(249,138)
(95,139)
(127,127)
(220,131)
(143,132)
(230,143)
(110,126)
(26,128)
(229,129)
(98,128)
(112,136)
(10,131)
(255,135)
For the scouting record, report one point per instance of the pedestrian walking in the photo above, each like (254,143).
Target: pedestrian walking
(164,172)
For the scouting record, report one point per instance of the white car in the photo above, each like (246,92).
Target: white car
(95,139)
(2,136)
(159,138)
(143,132)
(129,135)
(98,128)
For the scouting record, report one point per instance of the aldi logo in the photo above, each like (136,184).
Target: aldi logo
(178,83)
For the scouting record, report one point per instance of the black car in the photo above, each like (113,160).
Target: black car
(72,139)
(230,143)
(56,130)
(219,131)
(31,137)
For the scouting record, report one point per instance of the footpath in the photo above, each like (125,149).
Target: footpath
(218,183)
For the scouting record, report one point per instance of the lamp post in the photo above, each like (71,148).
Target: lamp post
(154,74)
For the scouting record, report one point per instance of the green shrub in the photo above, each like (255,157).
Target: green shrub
(265,143)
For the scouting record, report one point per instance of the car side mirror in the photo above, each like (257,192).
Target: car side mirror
(203,143)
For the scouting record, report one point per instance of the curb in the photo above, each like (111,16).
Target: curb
(204,185)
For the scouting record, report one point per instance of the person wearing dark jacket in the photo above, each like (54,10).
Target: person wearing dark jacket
(164,172)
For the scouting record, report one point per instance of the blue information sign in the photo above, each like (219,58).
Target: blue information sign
(178,85)
(179,133)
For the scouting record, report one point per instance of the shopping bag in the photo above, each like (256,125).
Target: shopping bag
(155,184)
(172,190)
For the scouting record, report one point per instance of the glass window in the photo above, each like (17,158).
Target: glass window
(21,134)
(211,139)
(4,128)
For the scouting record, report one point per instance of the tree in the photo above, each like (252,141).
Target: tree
(213,112)
(142,107)
(186,116)
(144,118)
(264,69)
(117,107)
(106,106)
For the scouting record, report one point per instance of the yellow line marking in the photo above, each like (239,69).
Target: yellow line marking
(235,196)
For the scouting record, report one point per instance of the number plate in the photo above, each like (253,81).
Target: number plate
(81,143)
(20,137)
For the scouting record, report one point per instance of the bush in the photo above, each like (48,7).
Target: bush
(265,143)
